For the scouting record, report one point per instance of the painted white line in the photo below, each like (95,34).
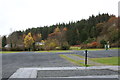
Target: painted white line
(93,76)
(32,72)
(96,76)
(114,68)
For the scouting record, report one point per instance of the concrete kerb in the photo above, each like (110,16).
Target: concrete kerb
(32,72)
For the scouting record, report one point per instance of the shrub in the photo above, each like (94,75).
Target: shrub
(57,48)
(94,44)
(103,42)
(51,44)
(17,49)
(65,46)
(83,46)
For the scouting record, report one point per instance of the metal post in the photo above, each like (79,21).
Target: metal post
(86,57)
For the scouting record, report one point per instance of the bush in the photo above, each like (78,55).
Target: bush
(83,46)
(57,48)
(94,44)
(51,44)
(65,46)
(17,49)
(103,42)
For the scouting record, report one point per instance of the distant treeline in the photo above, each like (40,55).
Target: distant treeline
(95,28)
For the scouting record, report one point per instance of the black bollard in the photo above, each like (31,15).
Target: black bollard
(86,57)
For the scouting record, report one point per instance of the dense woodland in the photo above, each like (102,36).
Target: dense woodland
(86,33)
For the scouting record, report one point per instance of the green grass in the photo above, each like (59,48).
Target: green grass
(77,55)
(107,60)
(80,62)
(54,51)
(9,51)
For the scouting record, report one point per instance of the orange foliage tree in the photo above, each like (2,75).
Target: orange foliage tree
(93,44)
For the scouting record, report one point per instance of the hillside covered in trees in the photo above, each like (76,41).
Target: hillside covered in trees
(92,32)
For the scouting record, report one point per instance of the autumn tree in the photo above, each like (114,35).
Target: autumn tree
(51,44)
(15,39)
(56,35)
(60,36)
(94,44)
(63,34)
(77,32)
(112,19)
(28,41)
(37,37)
(57,30)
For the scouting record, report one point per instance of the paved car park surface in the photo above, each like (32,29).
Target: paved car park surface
(76,73)
(67,72)
(99,53)
(11,62)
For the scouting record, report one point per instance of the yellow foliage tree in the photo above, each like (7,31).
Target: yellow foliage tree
(28,41)
(57,30)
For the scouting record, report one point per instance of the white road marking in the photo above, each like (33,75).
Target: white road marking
(114,68)
(32,72)
(93,76)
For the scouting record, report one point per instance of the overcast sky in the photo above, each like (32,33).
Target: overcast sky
(23,14)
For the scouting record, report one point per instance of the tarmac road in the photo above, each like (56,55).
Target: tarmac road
(13,61)
(99,53)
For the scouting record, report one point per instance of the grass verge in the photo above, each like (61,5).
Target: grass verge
(107,60)
(77,55)
(80,62)
(9,52)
